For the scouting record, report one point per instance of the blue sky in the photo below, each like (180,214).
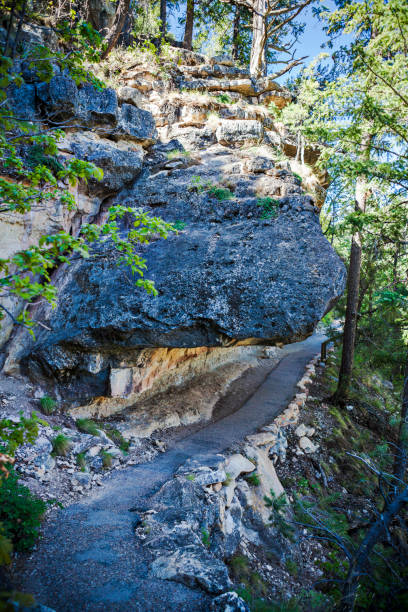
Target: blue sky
(309,43)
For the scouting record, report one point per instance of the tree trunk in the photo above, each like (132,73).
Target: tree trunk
(163,17)
(353,284)
(188,30)
(100,14)
(350,324)
(257,60)
(235,33)
(400,462)
(122,11)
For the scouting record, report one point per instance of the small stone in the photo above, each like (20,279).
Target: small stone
(83,478)
(262,438)
(229,602)
(238,464)
(94,451)
(307,445)
(302,430)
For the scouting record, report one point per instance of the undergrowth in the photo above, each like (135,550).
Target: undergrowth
(20,513)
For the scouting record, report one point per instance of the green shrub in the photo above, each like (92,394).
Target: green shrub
(6,548)
(88,426)
(48,404)
(303,485)
(297,176)
(224,98)
(240,567)
(176,153)
(15,433)
(20,513)
(80,461)
(106,459)
(270,207)
(205,537)
(179,225)
(292,567)
(37,157)
(253,479)
(221,193)
(117,438)
(279,506)
(61,445)
(228,479)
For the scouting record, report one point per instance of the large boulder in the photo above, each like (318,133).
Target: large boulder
(21,101)
(193,566)
(239,132)
(98,106)
(121,162)
(242,270)
(136,124)
(59,97)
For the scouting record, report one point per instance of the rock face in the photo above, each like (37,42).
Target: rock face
(191,526)
(249,264)
(229,276)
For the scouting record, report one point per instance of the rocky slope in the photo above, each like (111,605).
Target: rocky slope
(190,140)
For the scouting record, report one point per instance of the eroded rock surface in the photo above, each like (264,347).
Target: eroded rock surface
(249,264)
(229,276)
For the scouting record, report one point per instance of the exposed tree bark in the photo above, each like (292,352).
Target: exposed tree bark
(188,30)
(269,17)
(9,27)
(353,284)
(259,37)
(100,14)
(350,324)
(126,36)
(400,462)
(163,17)
(357,565)
(19,27)
(235,33)
(122,11)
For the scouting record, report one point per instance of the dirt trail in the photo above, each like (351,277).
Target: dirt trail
(88,558)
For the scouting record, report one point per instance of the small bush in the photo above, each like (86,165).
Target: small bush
(224,99)
(61,445)
(270,207)
(253,479)
(297,177)
(205,537)
(117,438)
(20,513)
(37,157)
(292,567)
(190,477)
(228,479)
(106,459)
(48,404)
(176,153)
(88,426)
(80,461)
(279,505)
(221,193)
(179,225)
(240,567)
